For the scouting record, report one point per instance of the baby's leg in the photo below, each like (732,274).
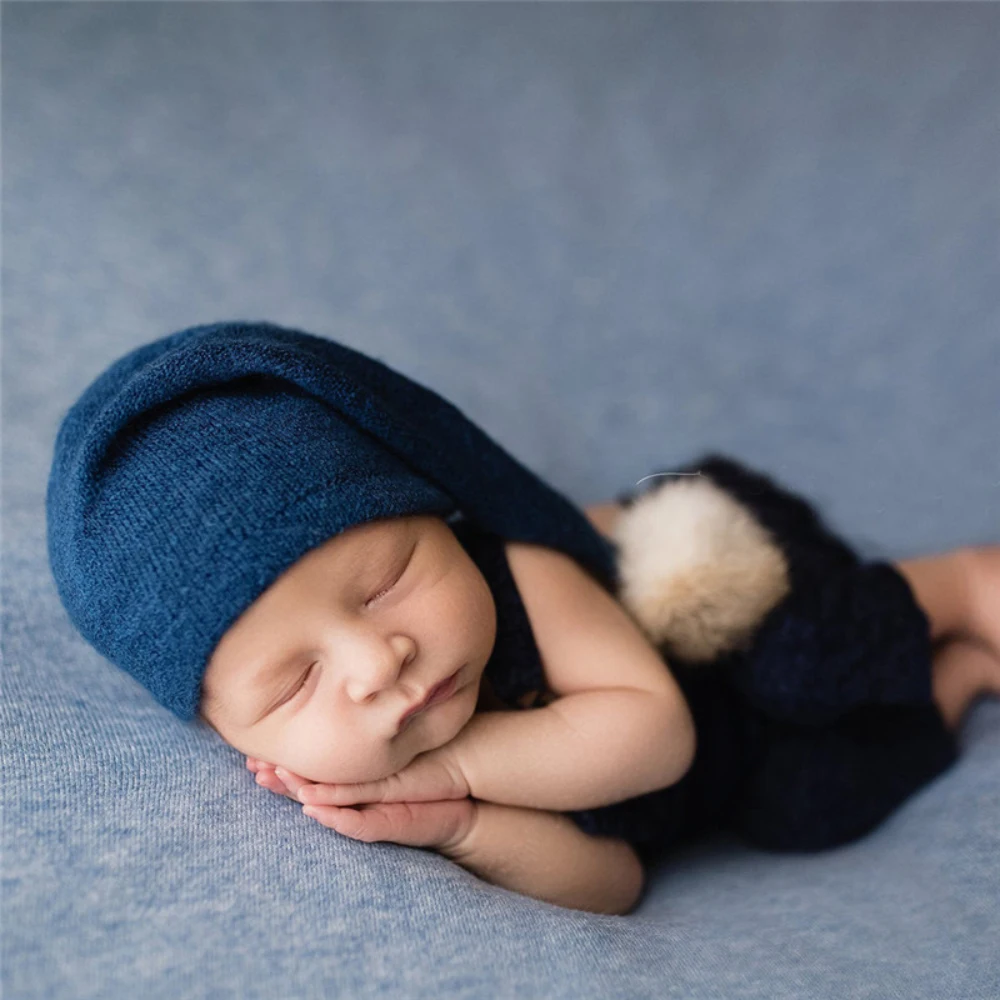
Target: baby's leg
(986,595)
(963,670)
(960,592)
(603,516)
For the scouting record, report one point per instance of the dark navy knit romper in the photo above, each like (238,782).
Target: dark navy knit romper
(806,740)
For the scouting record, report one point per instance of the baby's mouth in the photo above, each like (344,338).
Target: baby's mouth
(440,692)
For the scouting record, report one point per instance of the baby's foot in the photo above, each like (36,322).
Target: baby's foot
(964,670)
(986,596)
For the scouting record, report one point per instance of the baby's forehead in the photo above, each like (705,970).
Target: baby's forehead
(359,546)
(366,536)
(346,553)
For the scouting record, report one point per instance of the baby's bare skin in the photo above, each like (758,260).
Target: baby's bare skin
(960,593)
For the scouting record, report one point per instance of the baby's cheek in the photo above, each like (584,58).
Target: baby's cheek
(331,763)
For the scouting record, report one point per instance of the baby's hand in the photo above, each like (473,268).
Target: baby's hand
(429,777)
(267,778)
(441,825)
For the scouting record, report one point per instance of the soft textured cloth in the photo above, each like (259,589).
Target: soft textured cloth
(808,738)
(196,469)
(616,234)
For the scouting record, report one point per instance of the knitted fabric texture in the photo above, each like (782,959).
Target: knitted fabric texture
(197,468)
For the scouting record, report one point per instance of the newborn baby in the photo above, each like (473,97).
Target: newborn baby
(349,580)
(480,788)
(360,672)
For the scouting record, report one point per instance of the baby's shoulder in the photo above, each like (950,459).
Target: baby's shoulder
(551,584)
(534,563)
(584,636)
(551,579)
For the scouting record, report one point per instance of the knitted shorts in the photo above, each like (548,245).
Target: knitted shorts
(813,735)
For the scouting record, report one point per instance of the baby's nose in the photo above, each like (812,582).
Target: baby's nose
(380,669)
(370,681)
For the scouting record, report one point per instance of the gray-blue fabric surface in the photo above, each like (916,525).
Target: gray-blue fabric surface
(614,235)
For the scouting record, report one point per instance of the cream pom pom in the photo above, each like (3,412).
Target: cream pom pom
(697,570)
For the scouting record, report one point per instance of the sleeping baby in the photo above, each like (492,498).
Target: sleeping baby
(408,632)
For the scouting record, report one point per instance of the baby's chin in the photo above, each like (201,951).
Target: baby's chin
(436,731)
(340,775)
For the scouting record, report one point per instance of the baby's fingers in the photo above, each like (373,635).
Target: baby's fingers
(293,782)
(268,777)
(415,824)
(383,790)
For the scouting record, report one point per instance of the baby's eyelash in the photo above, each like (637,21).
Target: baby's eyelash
(385,590)
(381,593)
(295,690)
(305,677)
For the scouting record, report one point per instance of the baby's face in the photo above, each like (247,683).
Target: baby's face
(317,673)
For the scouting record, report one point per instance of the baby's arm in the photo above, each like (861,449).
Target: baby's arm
(583,751)
(545,855)
(621,727)
(537,853)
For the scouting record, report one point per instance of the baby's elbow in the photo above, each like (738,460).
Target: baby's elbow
(692,745)
(682,743)
(632,885)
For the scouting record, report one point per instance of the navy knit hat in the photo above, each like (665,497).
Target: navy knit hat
(197,468)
